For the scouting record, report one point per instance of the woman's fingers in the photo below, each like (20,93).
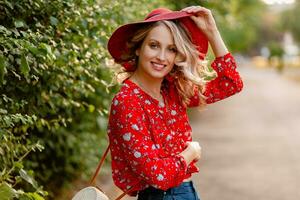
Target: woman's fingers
(196,9)
(189,8)
(193,18)
(187,144)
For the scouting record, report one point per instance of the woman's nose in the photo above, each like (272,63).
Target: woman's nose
(161,55)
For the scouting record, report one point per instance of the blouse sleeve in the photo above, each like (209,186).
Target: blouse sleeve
(128,128)
(227,83)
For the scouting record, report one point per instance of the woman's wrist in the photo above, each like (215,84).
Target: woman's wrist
(217,43)
(211,33)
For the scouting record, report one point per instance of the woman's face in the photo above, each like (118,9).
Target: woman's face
(157,53)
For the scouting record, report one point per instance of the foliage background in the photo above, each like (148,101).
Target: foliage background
(290,21)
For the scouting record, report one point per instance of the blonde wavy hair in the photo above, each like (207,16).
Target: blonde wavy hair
(189,72)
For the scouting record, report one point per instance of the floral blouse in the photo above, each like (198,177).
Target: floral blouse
(146,136)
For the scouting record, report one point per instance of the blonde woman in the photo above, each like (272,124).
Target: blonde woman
(153,154)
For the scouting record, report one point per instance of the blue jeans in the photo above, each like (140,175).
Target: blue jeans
(185,191)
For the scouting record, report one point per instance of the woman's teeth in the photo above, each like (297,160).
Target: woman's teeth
(158,66)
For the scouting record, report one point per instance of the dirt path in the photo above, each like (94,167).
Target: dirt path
(251,141)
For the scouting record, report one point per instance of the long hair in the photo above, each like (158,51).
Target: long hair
(189,72)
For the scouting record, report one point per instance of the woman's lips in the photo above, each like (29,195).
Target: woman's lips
(158,66)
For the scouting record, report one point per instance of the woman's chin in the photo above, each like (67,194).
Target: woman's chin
(158,75)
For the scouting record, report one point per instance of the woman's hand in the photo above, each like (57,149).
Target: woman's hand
(192,152)
(203,19)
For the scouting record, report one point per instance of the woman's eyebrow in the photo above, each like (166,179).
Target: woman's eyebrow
(154,40)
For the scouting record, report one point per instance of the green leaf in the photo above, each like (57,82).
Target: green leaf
(31,196)
(19,23)
(36,196)
(18,165)
(3,111)
(39,147)
(2,154)
(53,21)
(6,192)
(9,5)
(91,108)
(2,68)
(24,66)
(28,178)
(3,29)
(46,47)
(33,49)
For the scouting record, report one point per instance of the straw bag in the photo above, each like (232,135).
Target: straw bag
(93,192)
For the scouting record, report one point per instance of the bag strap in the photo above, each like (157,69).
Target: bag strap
(93,179)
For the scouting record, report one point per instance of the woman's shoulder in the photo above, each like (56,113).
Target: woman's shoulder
(127,95)
(125,104)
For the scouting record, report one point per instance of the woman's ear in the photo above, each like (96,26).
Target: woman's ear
(137,52)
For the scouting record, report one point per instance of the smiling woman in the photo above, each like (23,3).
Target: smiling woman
(156,55)
(164,47)
(153,155)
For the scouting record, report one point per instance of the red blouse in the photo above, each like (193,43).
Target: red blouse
(146,135)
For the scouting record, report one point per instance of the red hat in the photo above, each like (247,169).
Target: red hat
(117,42)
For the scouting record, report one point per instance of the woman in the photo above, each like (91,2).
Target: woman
(151,144)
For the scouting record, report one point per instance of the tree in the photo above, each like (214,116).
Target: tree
(290,20)
(238,20)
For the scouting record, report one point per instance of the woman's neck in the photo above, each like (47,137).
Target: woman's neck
(150,85)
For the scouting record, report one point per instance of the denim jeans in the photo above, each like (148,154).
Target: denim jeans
(185,191)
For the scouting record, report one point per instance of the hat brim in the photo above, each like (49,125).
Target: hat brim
(117,44)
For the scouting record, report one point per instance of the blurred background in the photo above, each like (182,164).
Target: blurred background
(55,73)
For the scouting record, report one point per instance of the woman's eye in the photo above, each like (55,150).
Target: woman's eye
(173,50)
(153,45)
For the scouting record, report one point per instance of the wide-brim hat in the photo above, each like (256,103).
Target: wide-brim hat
(117,44)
